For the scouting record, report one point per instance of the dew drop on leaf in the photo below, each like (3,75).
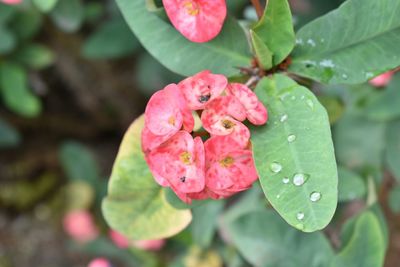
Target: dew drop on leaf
(299,179)
(283,117)
(310,103)
(291,138)
(315,196)
(276,167)
(300,216)
(285,180)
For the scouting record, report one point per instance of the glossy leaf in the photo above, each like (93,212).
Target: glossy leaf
(35,56)
(265,240)
(45,5)
(113,39)
(222,55)
(264,55)
(16,94)
(275,29)
(68,15)
(352,44)
(366,246)
(294,154)
(351,185)
(135,205)
(393,148)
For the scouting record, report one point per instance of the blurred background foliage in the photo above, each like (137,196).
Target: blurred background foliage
(72,79)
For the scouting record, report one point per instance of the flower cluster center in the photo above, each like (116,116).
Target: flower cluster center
(191,8)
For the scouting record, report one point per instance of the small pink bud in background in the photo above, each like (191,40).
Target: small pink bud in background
(11,2)
(151,245)
(119,240)
(382,80)
(80,226)
(99,262)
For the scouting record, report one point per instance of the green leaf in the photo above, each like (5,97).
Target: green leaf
(35,56)
(393,148)
(27,23)
(366,247)
(295,145)
(113,39)
(333,106)
(351,185)
(8,40)
(45,5)
(9,137)
(394,199)
(264,55)
(136,205)
(68,15)
(350,45)
(6,13)
(79,163)
(222,55)
(275,29)
(204,222)
(265,240)
(15,92)
(353,135)
(386,105)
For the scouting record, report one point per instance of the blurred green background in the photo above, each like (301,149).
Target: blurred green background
(72,79)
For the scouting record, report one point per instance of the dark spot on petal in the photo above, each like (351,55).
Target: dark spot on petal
(183,179)
(204,98)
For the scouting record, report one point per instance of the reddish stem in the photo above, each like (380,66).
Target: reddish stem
(258,7)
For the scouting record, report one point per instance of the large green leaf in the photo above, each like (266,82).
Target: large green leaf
(68,15)
(15,92)
(265,240)
(222,55)
(366,247)
(393,148)
(136,205)
(275,28)
(113,39)
(35,56)
(352,44)
(351,185)
(45,5)
(8,40)
(294,154)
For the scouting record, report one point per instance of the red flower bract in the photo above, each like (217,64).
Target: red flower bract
(197,20)
(220,167)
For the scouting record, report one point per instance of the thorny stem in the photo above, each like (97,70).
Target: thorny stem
(258,7)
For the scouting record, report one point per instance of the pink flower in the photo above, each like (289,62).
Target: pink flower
(222,116)
(382,80)
(119,240)
(197,20)
(12,2)
(99,262)
(151,245)
(256,113)
(202,88)
(80,226)
(230,169)
(180,162)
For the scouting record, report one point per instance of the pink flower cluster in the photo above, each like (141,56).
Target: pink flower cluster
(11,2)
(222,165)
(197,20)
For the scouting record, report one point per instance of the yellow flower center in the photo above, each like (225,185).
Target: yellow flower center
(185,157)
(227,124)
(226,162)
(171,120)
(191,8)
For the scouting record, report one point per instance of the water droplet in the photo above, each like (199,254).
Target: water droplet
(344,76)
(369,75)
(322,40)
(315,196)
(327,63)
(299,179)
(285,180)
(311,42)
(302,97)
(299,41)
(276,167)
(293,97)
(283,117)
(310,103)
(300,216)
(291,138)
(300,226)
(278,196)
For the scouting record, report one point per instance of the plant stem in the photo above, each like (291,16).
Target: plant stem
(258,7)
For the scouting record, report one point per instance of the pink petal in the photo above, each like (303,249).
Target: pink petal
(99,262)
(255,111)
(11,2)
(119,240)
(151,245)
(180,160)
(163,115)
(151,141)
(197,20)
(382,80)
(175,94)
(80,226)
(201,88)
